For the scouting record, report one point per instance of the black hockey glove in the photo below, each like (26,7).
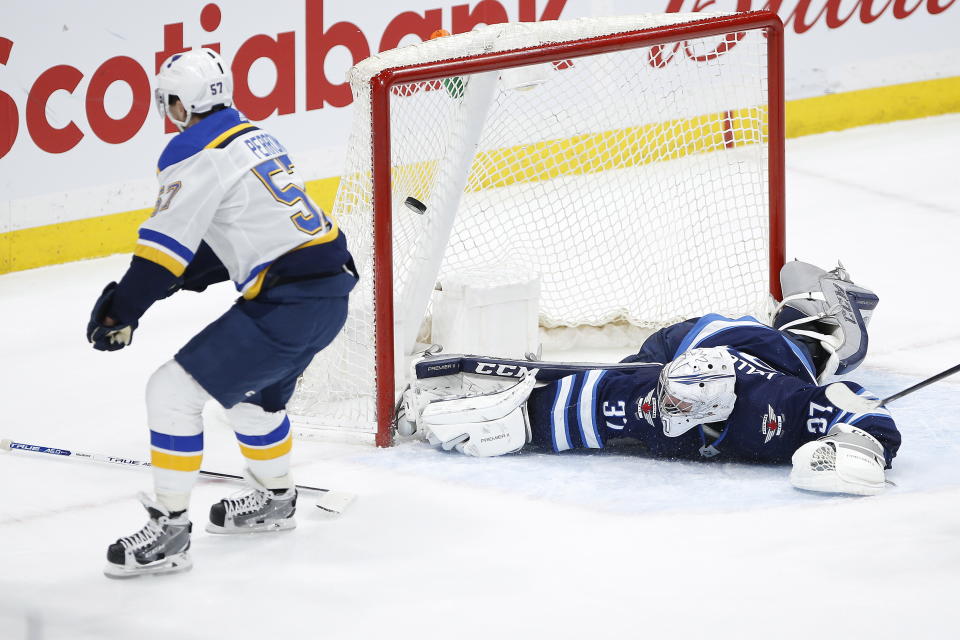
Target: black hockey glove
(106,338)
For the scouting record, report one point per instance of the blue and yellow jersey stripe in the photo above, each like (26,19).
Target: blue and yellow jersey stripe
(230,135)
(162,249)
(251,285)
(215,131)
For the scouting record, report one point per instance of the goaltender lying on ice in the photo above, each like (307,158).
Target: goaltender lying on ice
(706,388)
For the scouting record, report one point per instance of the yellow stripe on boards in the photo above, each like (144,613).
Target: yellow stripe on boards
(101,236)
(269,453)
(69,241)
(618,149)
(116,233)
(169,461)
(872,106)
(595,152)
(323,192)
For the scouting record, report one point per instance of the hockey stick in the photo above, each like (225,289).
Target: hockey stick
(332,501)
(843,397)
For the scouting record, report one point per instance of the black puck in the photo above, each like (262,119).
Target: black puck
(415,205)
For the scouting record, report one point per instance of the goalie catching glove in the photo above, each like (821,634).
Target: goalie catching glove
(846,460)
(485,425)
(104,337)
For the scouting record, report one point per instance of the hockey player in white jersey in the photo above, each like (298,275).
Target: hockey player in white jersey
(708,388)
(231,206)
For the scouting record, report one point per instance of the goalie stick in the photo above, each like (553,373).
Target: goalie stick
(843,397)
(435,365)
(329,500)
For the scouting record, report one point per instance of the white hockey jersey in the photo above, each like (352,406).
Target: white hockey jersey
(228,183)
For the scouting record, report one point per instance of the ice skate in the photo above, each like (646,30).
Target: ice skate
(161,546)
(256,509)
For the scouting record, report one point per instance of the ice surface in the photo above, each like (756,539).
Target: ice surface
(583,545)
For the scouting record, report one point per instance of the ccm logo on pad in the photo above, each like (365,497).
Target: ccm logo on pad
(505,370)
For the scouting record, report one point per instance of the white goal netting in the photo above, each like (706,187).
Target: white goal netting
(633,181)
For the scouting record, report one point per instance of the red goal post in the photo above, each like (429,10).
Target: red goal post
(377,196)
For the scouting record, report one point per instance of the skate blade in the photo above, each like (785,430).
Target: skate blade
(279,525)
(173,564)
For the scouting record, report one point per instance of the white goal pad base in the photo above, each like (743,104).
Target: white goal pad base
(486,312)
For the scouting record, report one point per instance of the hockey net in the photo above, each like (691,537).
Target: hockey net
(634,163)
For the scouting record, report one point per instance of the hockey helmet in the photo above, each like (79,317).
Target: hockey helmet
(696,388)
(199,78)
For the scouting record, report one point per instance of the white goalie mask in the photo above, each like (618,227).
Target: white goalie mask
(696,388)
(199,78)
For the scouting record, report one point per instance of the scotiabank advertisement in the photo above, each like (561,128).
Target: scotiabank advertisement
(80,135)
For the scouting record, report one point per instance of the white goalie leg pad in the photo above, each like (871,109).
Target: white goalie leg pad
(421,393)
(424,391)
(486,439)
(480,408)
(846,460)
(485,425)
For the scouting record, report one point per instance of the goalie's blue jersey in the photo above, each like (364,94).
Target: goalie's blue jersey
(779,404)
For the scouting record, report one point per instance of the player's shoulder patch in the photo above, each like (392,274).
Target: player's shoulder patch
(213,132)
